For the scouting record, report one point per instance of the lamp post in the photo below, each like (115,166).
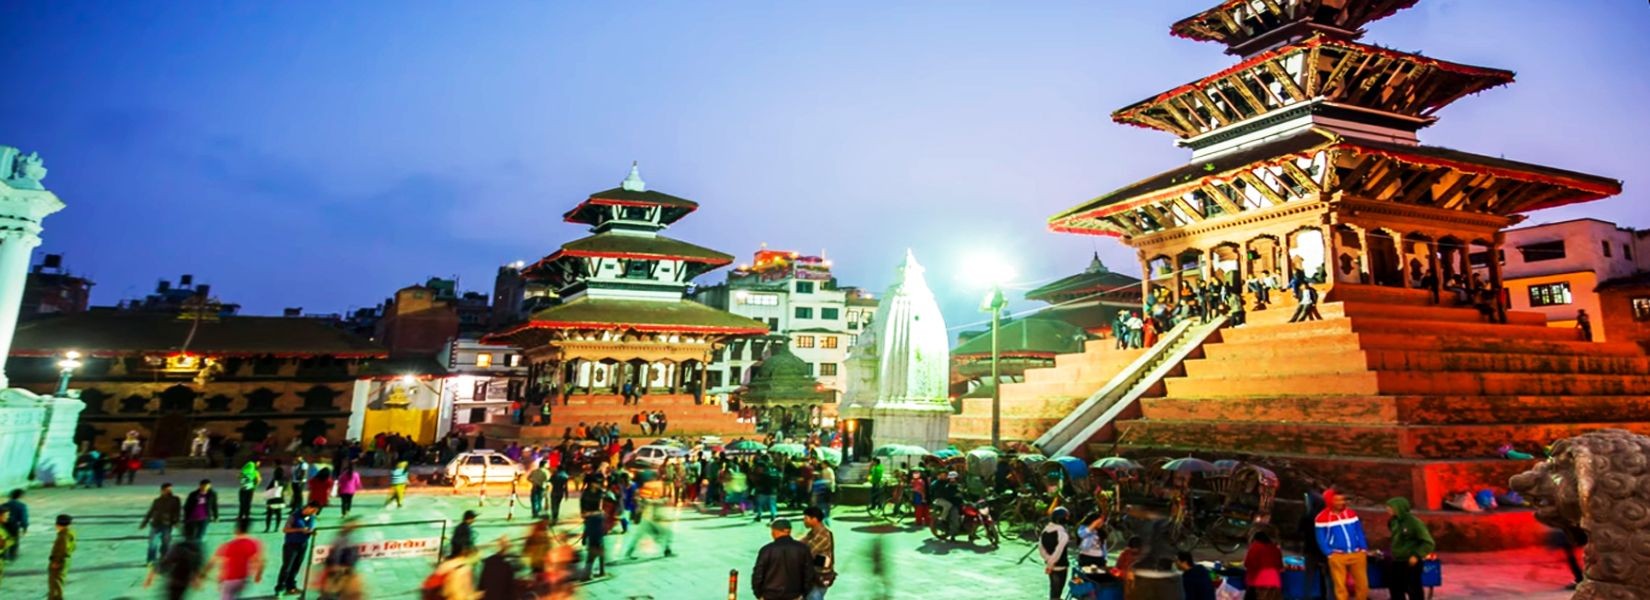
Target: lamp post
(994,303)
(66,369)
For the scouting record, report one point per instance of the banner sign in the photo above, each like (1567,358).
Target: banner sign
(386,549)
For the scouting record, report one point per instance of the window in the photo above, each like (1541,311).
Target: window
(1627,252)
(829,314)
(1543,251)
(804,312)
(804,287)
(484,359)
(1641,308)
(773,323)
(1550,294)
(804,341)
(827,369)
(853,326)
(638,269)
(735,375)
(635,213)
(759,299)
(513,360)
(827,341)
(1606,246)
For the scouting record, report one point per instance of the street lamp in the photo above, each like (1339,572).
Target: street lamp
(995,271)
(66,368)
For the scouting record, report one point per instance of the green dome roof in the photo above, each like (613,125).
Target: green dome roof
(783,377)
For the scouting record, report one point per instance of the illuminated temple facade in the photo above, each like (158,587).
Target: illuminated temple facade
(622,322)
(1306,165)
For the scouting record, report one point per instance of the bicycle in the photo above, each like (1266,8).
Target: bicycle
(892,506)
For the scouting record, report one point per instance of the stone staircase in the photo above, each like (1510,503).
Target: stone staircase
(683,417)
(1031,407)
(1389,395)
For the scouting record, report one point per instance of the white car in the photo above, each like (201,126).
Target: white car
(653,455)
(481,467)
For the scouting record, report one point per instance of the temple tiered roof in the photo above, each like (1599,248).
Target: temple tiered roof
(1360,80)
(1249,26)
(1291,169)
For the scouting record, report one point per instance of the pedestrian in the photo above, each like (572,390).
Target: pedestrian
(57,565)
(295,543)
(875,479)
(199,508)
(1308,309)
(1196,582)
(1341,537)
(349,482)
(1263,568)
(165,511)
(919,499)
(1054,545)
(236,560)
(320,488)
(1411,544)
(652,518)
(274,503)
(398,484)
(250,478)
(453,579)
(7,542)
(339,579)
(181,568)
(558,491)
(784,568)
(1091,543)
(17,522)
(822,543)
(537,479)
(300,480)
(1132,551)
(1584,325)
(464,536)
(595,537)
(499,574)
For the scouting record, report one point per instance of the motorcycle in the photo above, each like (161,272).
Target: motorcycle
(975,519)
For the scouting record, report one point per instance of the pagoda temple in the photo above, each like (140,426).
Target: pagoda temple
(622,322)
(1306,167)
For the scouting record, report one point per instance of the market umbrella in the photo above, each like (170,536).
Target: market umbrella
(746,446)
(830,456)
(1227,465)
(948,453)
(791,450)
(1115,463)
(1189,465)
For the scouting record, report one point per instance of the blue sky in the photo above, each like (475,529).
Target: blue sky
(323,155)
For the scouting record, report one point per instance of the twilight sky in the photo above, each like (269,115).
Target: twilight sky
(323,155)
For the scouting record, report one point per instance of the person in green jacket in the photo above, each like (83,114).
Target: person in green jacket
(1411,544)
(57,568)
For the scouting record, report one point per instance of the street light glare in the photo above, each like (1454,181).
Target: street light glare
(990,268)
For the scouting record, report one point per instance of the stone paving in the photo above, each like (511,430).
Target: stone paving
(109,562)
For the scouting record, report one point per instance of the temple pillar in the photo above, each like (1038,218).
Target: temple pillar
(1145,281)
(1494,261)
(1434,265)
(1366,273)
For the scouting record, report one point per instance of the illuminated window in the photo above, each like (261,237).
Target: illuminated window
(1550,294)
(1641,308)
(760,299)
(484,359)
(804,341)
(513,360)
(827,341)
(827,369)
(804,312)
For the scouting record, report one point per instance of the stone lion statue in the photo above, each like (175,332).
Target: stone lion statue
(1599,483)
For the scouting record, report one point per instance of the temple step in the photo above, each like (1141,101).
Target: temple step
(1391,410)
(1349,440)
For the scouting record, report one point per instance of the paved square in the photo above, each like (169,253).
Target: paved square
(109,562)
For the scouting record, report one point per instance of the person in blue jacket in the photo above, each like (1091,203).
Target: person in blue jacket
(1341,537)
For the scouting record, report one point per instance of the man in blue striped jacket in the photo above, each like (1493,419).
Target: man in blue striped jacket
(1341,537)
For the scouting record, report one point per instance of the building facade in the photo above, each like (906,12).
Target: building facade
(483,380)
(1557,269)
(52,289)
(166,375)
(799,299)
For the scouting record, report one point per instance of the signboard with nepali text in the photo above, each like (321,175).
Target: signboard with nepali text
(430,546)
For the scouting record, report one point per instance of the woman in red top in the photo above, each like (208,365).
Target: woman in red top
(320,488)
(1263,568)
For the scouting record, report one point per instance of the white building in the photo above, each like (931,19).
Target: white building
(1555,268)
(799,299)
(482,380)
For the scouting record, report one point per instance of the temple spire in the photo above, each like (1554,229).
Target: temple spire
(633,182)
(1095,266)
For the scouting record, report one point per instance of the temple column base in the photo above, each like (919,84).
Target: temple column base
(928,426)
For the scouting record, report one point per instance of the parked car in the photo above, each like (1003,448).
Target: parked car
(653,455)
(582,454)
(482,467)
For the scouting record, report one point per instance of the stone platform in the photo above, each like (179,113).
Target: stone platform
(683,417)
(1032,406)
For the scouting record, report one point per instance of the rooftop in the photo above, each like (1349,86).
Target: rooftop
(111,333)
(638,315)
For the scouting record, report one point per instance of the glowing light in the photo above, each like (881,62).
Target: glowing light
(409,380)
(989,268)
